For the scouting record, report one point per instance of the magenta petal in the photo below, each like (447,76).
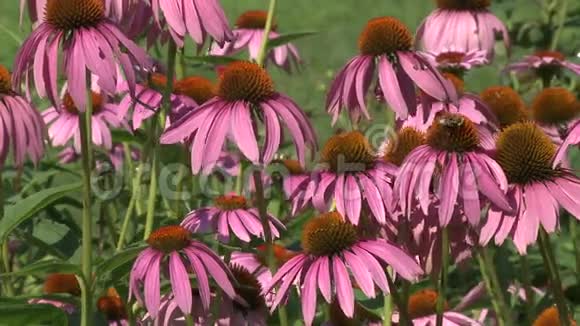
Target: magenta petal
(401,262)
(243,131)
(202,279)
(392,89)
(360,273)
(376,270)
(469,194)
(343,285)
(309,293)
(449,189)
(152,287)
(180,284)
(352,199)
(324,278)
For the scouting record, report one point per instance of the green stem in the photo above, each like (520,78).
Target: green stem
(267,29)
(87,236)
(493,287)
(442,284)
(388,310)
(150,215)
(576,244)
(401,305)
(188,320)
(527,283)
(561,23)
(5,253)
(262,209)
(555,281)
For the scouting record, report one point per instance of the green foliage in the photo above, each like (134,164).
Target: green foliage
(36,314)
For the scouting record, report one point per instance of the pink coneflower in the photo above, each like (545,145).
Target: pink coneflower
(171,315)
(422,310)
(196,18)
(538,186)
(506,104)
(249,308)
(332,249)
(230,214)
(573,138)
(59,283)
(21,126)
(556,110)
(64,122)
(249,33)
(455,162)
(458,62)
(387,42)
(90,44)
(295,180)
(245,90)
(174,244)
(187,94)
(468,105)
(114,9)
(544,64)
(464,25)
(352,176)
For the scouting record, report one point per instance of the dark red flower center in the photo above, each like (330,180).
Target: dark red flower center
(62,283)
(254,19)
(73,14)
(453,133)
(112,307)
(281,254)
(463,4)
(550,317)
(231,202)
(5,81)
(423,303)
(157,82)
(406,140)
(556,105)
(550,54)
(457,82)
(245,81)
(348,152)
(199,89)
(70,106)
(247,287)
(328,234)
(525,153)
(506,104)
(450,58)
(384,35)
(169,238)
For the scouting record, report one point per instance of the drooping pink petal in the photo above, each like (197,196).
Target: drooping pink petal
(343,285)
(180,284)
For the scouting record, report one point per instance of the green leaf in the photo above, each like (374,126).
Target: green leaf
(287,38)
(32,314)
(29,206)
(119,259)
(46,267)
(212,59)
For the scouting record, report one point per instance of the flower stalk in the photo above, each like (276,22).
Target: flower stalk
(555,280)
(164,112)
(493,287)
(87,236)
(442,284)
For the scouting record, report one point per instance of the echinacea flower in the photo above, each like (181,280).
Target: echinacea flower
(454,161)
(249,33)
(545,65)
(63,122)
(556,109)
(573,138)
(422,311)
(171,315)
(352,176)
(385,46)
(245,91)
(230,214)
(21,126)
(113,308)
(468,105)
(464,25)
(187,94)
(196,18)
(249,308)
(506,104)
(456,61)
(538,186)
(551,317)
(333,256)
(90,44)
(172,246)
(59,283)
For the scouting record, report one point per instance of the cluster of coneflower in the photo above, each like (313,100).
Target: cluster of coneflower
(462,169)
